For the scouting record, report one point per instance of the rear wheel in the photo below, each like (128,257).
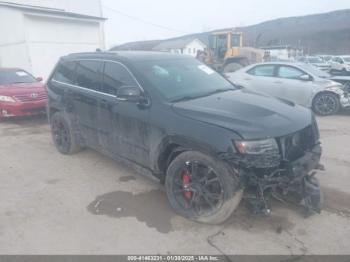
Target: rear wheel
(63,134)
(202,188)
(326,104)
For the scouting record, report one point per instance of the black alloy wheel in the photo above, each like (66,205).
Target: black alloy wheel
(326,104)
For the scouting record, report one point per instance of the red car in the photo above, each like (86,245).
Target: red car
(21,94)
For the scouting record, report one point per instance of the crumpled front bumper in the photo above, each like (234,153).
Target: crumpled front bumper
(307,163)
(291,182)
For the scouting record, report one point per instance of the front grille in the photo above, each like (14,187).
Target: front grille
(31,97)
(294,146)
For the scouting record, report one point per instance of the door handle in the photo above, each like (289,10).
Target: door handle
(248,78)
(278,82)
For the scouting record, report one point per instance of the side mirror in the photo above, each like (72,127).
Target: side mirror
(39,79)
(305,78)
(129,93)
(341,61)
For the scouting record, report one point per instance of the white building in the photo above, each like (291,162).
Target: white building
(181,46)
(283,52)
(35,33)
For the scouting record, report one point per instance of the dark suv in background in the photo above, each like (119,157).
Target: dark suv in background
(172,117)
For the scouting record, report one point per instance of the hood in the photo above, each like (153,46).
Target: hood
(22,88)
(250,115)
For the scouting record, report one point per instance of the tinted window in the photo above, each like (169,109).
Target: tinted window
(115,76)
(88,74)
(264,70)
(65,72)
(15,76)
(290,72)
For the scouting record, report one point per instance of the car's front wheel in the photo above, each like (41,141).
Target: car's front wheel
(326,104)
(202,188)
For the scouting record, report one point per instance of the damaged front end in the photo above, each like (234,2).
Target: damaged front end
(285,173)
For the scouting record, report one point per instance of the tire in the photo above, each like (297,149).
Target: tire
(208,177)
(326,104)
(63,135)
(232,67)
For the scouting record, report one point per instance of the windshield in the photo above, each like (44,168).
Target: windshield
(315,71)
(314,60)
(347,59)
(179,79)
(15,76)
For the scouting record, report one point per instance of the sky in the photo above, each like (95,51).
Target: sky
(137,20)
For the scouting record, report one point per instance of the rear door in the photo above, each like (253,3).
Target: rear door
(85,98)
(262,79)
(123,125)
(60,86)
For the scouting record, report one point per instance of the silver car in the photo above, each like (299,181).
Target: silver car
(297,82)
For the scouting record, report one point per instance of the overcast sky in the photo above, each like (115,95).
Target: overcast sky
(134,20)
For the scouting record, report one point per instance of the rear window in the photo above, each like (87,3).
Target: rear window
(65,72)
(15,77)
(89,74)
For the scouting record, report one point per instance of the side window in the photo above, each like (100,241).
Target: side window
(65,72)
(88,74)
(290,72)
(263,70)
(115,76)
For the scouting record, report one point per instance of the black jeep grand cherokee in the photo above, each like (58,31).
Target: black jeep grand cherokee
(175,118)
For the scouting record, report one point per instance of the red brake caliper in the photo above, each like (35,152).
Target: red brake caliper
(186,184)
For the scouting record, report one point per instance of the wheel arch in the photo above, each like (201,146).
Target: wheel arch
(51,111)
(329,91)
(172,146)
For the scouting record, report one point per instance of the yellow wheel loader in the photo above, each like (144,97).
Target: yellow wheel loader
(227,54)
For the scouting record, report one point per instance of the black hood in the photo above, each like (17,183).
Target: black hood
(251,115)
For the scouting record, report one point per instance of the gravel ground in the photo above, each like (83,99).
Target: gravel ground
(88,204)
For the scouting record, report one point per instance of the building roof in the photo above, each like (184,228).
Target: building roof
(276,47)
(175,44)
(46,10)
(137,46)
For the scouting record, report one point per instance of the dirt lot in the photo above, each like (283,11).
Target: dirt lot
(88,204)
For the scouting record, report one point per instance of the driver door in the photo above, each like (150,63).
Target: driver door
(123,125)
(292,87)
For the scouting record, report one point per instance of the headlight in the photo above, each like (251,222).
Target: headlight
(257,147)
(6,99)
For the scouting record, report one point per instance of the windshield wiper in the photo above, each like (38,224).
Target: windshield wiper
(220,90)
(186,98)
